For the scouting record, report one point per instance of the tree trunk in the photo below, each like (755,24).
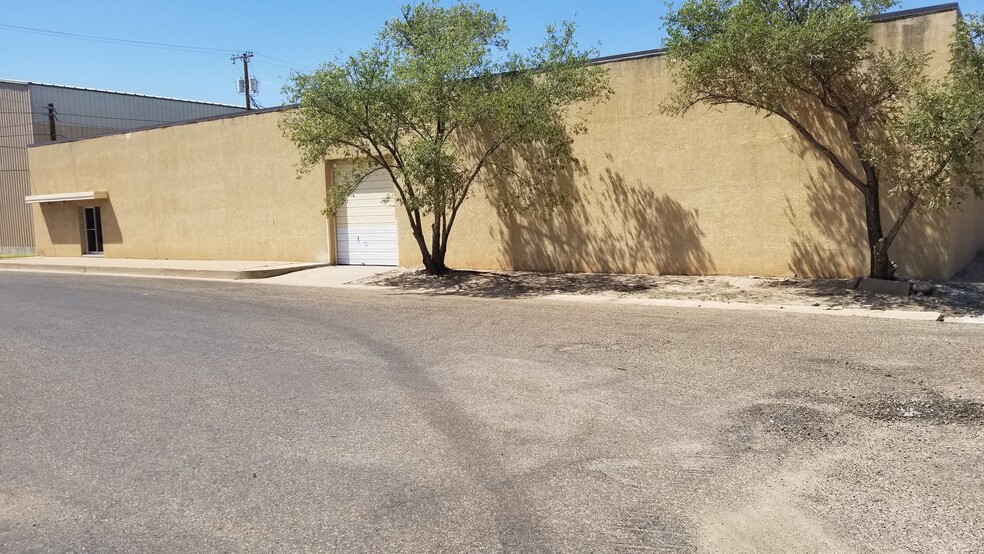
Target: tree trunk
(433,257)
(880,265)
(437,261)
(425,255)
(435,264)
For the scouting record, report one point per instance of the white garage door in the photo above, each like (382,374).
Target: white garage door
(365,227)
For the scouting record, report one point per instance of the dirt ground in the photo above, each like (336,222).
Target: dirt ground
(951,298)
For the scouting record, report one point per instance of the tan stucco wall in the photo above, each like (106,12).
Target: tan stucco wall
(716,191)
(222,189)
(966,233)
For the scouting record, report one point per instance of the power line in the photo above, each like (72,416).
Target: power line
(148,44)
(286,64)
(111,117)
(140,43)
(244,57)
(294,64)
(273,64)
(70,124)
(90,116)
(16,101)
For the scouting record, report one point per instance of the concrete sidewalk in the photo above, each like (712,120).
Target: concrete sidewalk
(328,276)
(207,269)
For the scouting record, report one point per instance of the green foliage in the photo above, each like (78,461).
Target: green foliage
(933,147)
(770,54)
(439,102)
(814,63)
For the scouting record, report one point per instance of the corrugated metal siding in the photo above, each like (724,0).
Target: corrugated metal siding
(80,113)
(15,183)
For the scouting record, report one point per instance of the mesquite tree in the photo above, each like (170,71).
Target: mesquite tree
(438,103)
(894,129)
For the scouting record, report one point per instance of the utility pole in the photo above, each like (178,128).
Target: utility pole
(245,56)
(51,122)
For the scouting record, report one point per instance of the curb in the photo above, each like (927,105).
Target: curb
(910,315)
(220,274)
(971,320)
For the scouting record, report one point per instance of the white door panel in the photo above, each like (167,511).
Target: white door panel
(365,226)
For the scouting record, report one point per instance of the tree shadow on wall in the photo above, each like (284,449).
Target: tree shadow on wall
(607,224)
(829,237)
(827,240)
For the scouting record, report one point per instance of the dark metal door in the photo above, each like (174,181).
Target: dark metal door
(93,231)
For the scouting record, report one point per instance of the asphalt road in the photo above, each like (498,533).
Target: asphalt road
(142,415)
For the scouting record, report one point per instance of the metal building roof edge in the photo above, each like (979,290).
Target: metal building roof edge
(135,94)
(171,124)
(916,12)
(628,56)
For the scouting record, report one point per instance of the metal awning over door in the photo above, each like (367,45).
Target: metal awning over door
(67,197)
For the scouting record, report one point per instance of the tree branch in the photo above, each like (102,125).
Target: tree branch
(718,99)
(827,152)
(471,178)
(911,201)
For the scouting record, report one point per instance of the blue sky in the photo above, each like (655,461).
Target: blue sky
(282,34)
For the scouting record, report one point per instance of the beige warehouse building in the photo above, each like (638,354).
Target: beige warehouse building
(723,192)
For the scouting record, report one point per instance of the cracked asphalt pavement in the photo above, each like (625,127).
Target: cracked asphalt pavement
(166,415)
